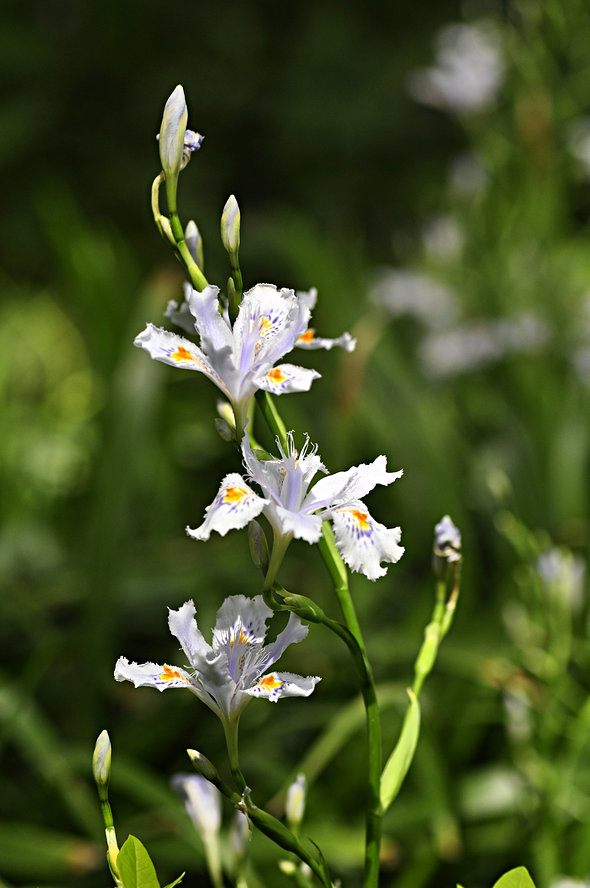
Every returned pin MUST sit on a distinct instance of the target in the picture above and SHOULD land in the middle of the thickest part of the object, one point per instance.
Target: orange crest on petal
(182, 354)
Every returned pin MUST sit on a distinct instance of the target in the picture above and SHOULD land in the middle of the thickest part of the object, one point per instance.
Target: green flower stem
(279, 547)
(339, 576)
(272, 417)
(198, 279)
(230, 727)
(110, 835)
(271, 827)
(374, 813)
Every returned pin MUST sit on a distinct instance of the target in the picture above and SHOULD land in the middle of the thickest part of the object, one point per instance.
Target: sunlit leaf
(135, 866)
(515, 878)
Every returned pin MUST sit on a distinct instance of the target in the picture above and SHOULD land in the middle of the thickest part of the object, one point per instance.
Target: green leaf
(400, 759)
(515, 878)
(176, 881)
(135, 866)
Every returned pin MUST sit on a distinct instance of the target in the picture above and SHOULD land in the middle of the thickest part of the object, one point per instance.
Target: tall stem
(230, 727)
(339, 576)
(374, 812)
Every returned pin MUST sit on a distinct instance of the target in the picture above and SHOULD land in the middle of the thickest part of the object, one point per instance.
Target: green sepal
(176, 881)
(135, 866)
(399, 761)
(515, 878)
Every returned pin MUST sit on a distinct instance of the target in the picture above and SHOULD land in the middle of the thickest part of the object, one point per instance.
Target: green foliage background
(106, 456)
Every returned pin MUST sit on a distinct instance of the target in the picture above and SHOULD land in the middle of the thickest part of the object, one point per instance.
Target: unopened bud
(230, 227)
(203, 766)
(101, 763)
(304, 608)
(295, 803)
(226, 412)
(225, 431)
(172, 130)
(258, 546)
(447, 546)
(194, 242)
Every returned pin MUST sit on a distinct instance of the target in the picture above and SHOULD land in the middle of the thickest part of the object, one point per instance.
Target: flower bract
(234, 668)
(296, 508)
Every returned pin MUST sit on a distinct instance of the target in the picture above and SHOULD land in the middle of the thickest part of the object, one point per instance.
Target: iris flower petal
(364, 543)
(234, 507)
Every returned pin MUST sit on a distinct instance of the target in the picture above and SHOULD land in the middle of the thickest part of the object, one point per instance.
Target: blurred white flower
(468, 69)
(412, 293)
(566, 882)
(476, 344)
(442, 238)
(578, 142)
(202, 801)
(467, 176)
(563, 574)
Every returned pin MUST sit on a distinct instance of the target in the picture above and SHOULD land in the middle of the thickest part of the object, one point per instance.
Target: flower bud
(101, 763)
(447, 546)
(230, 227)
(172, 130)
(202, 802)
(203, 766)
(295, 803)
(224, 430)
(258, 546)
(194, 242)
(304, 608)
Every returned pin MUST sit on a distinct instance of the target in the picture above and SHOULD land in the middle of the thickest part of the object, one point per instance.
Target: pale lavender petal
(362, 542)
(286, 378)
(293, 633)
(153, 675)
(178, 352)
(213, 329)
(283, 684)
(310, 341)
(297, 524)
(234, 507)
(353, 484)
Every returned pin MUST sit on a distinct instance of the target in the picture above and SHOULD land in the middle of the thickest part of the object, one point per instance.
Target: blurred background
(427, 168)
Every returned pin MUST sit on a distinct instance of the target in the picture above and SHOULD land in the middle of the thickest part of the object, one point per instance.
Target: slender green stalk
(230, 727)
(272, 417)
(339, 576)
(266, 823)
(374, 812)
(198, 279)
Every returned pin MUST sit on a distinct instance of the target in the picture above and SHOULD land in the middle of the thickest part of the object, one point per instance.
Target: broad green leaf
(515, 878)
(400, 759)
(135, 866)
(176, 881)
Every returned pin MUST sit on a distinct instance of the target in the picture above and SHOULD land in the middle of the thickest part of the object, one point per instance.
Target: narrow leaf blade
(399, 761)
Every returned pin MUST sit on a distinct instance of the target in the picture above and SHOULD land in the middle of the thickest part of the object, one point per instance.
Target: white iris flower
(227, 673)
(241, 359)
(296, 508)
